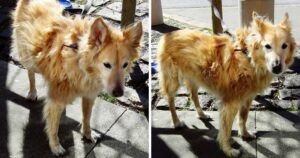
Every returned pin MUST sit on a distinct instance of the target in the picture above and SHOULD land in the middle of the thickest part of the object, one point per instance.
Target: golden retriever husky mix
(77, 58)
(199, 59)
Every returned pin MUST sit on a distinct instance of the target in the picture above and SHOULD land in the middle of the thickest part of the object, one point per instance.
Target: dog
(77, 58)
(194, 59)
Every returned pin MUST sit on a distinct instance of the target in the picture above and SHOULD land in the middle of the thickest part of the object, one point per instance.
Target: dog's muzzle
(277, 69)
(118, 91)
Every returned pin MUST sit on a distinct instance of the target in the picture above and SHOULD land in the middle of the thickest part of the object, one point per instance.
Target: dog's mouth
(277, 69)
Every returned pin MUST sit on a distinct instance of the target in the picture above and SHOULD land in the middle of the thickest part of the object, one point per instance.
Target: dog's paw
(88, 137)
(32, 96)
(235, 153)
(87, 140)
(248, 136)
(87, 133)
(179, 125)
(57, 150)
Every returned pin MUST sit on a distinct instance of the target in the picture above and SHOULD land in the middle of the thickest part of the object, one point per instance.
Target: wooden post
(128, 12)
(262, 7)
(156, 11)
(217, 27)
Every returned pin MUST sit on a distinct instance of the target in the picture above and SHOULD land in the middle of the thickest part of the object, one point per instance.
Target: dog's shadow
(35, 141)
(202, 142)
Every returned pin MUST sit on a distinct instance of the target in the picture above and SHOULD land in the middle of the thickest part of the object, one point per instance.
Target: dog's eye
(268, 46)
(284, 45)
(107, 65)
(125, 65)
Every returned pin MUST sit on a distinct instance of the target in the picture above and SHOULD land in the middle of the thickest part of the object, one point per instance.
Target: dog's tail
(167, 74)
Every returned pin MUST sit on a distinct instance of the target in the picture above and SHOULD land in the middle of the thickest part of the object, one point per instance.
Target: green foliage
(293, 107)
(107, 97)
(187, 105)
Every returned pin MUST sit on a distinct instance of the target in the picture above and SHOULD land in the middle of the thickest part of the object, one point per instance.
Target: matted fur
(103, 58)
(198, 59)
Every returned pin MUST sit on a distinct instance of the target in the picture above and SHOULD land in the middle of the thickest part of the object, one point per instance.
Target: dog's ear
(134, 34)
(289, 59)
(254, 15)
(99, 32)
(258, 22)
(285, 23)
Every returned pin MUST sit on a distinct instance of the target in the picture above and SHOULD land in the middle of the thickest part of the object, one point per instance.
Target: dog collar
(243, 50)
(73, 46)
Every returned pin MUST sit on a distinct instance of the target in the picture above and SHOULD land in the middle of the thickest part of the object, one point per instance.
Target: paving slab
(110, 14)
(197, 140)
(279, 134)
(22, 127)
(203, 16)
(142, 9)
(99, 2)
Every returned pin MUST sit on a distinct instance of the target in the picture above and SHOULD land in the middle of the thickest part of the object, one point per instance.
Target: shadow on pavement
(35, 142)
(202, 142)
(278, 110)
(296, 65)
(3, 114)
(124, 148)
(141, 88)
(164, 28)
(295, 119)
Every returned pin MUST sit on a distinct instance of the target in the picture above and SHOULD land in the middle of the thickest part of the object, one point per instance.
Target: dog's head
(113, 53)
(271, 46)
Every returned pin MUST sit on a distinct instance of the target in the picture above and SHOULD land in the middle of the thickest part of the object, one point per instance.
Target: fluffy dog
(77, 58)
(199, 59)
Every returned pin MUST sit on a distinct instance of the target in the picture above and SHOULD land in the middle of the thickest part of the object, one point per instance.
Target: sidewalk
(201, 16)
(277, 135)
(22, 129)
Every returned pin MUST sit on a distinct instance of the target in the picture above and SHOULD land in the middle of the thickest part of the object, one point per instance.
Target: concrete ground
(199, 13)
(278, 135)
(123, 133)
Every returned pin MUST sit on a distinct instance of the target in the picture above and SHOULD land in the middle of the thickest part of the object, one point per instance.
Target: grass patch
(293, 107)
(107, 97)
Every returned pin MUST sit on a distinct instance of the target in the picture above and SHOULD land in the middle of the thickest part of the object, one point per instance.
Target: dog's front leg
(243, 115)
(87, 105)
(52, 114)
(32, 96)
(227, 115)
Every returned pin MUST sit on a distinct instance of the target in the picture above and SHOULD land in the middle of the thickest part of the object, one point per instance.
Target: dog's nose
(277, 68)
(118, 91)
